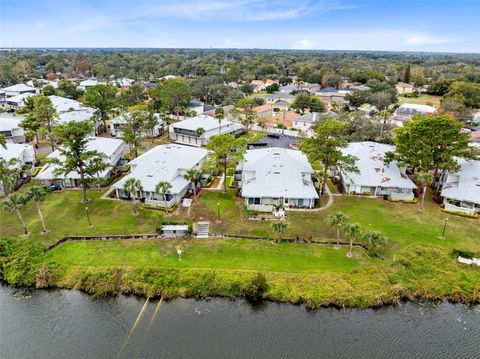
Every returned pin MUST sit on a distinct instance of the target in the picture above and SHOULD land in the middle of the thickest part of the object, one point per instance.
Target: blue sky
(412, 25)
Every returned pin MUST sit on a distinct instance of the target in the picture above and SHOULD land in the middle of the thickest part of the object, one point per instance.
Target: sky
(389, 25)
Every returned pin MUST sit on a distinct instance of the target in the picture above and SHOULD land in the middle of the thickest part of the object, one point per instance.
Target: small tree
(3, 141)
(44, 113)
(219, 115)
(352, 230)
(131, 130)
(374, 241)
(338, 221)
(244, 112)
(193, 175)
(225, 149)
(163, 187)
(38, 193)
(132, 186)
(13, 203)
(279, 228)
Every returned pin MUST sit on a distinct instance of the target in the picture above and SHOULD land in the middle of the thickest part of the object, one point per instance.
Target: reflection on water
(59, 324)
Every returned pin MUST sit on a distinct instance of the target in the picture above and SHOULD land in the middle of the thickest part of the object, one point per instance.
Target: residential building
(63, 104)
(403, 88)
(3, 97)
(18, 89)
(195, 106)
(279, 96)
(288, 88)
(306, 122)
(110, 148)
(375, 176)
(10, 128)
(197, 131)
(86, 84)
(261, 85)
(276, 177)
(407, 110)
(118, 123)
(18, 101)
(282, 118)
(168, 163)
(461, 190)
(24, 156)
(264, 111)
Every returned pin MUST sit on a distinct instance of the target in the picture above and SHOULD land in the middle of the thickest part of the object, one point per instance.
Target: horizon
(318, 25)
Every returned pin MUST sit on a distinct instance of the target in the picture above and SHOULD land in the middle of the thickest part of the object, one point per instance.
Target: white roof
(418, 107)
(163, 163)
(9, 123)
(19, 88)
(20, 98)
(374, 172)
(63, 104)
(278, 172)
(89, 82)
(106, 146)
(22, 152)
(207, 123)
(175, 227)
(468, 186)
(85, 114)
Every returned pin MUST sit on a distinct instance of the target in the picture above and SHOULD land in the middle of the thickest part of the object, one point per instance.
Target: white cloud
(303, 44)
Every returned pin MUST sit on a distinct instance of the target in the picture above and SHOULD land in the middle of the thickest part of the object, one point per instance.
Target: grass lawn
(423, 99)
(204, 254)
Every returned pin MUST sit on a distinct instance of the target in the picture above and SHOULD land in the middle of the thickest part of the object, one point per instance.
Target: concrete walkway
(324, 207)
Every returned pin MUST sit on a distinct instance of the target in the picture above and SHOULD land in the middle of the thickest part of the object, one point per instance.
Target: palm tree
(163, 187)
(133, 185)
(425, 178)
(374, 241)
(38, 194)
(13, 203)
(337, 220)
(193, 175)
(353, 231)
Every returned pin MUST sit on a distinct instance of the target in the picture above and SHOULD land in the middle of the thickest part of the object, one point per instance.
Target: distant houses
(110, 148)
(461, 190)
(168, 163)
(18, 89)
(197, 131)
(18, 101)
(23, 156)
(404, 88)
(86, 84)
(376, 177)
(276, 177)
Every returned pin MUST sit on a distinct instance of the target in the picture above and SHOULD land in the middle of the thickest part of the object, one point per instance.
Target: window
(253, 200)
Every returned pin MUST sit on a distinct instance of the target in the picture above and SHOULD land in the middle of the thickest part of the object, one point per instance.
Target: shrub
(257, 286)
(46, 276)
(21, 266)
(100, 284)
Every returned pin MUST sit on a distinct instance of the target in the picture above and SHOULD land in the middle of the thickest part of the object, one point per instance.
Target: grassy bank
(416, 264)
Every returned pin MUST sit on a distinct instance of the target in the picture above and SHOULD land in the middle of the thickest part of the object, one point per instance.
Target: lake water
(69, 324)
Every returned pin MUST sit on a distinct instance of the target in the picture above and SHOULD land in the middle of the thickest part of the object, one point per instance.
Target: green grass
(423, 99)
(232, 254)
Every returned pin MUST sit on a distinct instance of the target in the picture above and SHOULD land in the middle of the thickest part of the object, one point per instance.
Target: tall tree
(326, 147)
(13, 203)
(132, 130)
(163, 187)
(44, 113)
(102, 98)
(132, 186)
(425, 178)
(337, 221)
(9, 173)
(193, 175)
(224, 150)
(172, 95)
(37, 193)
(74, 137)
(407, 74)
(219, 115)
(244, 111)
(431, 143)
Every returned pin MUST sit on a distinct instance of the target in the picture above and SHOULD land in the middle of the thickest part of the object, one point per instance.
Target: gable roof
(82, 115)
(22, 152)
(278, 172)
(164, 163)
(374, 172)
(9, 123)
(19, 88)
(20, 98)
(467, 188)
(63, 104)
(206, 122)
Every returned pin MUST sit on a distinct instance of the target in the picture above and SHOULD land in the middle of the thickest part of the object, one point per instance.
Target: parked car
(55, 187)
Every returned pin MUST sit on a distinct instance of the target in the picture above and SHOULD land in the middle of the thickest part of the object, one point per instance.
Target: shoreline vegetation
(416, 265)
